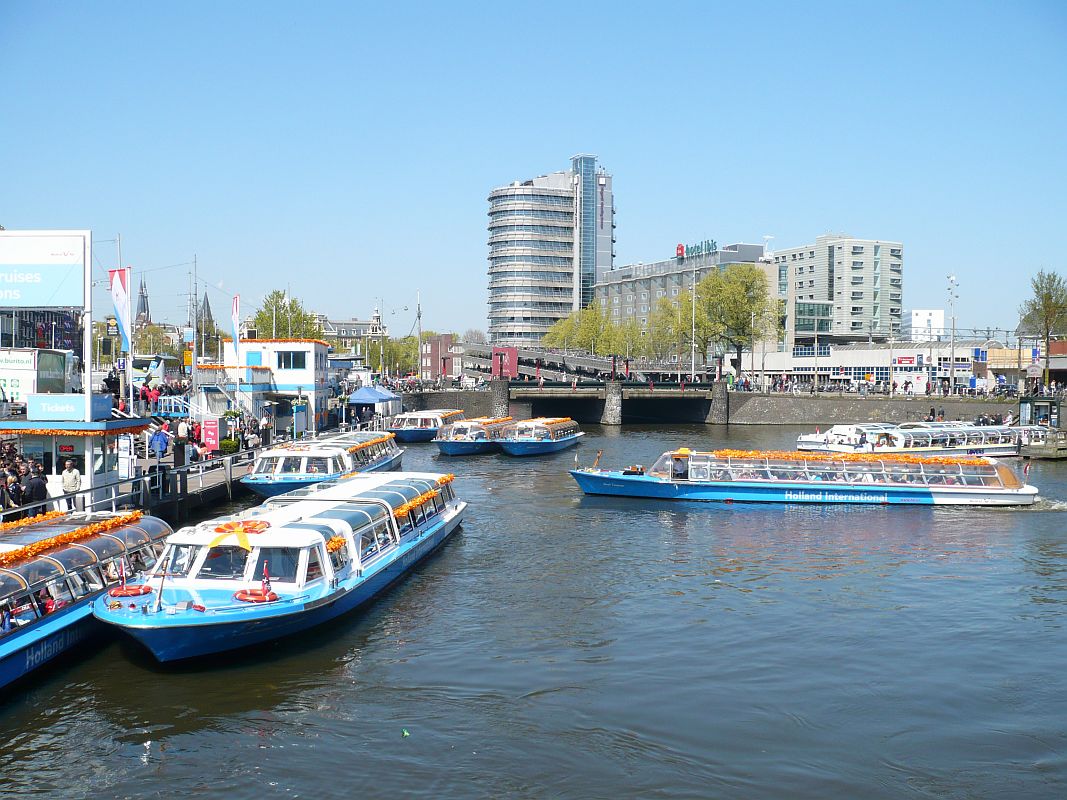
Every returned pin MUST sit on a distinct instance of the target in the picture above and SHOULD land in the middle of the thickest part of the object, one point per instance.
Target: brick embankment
(473, 404)
(785, 409)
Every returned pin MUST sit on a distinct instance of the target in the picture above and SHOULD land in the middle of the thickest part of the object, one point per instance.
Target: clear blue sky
(347, 149)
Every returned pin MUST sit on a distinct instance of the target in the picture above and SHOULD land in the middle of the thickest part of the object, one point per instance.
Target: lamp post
(953, 284)
(693, 334)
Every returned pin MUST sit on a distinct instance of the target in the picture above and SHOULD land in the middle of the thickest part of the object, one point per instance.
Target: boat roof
(301, 517)
(546, 421)
(433, 412)
(807, 455)
(483, 420)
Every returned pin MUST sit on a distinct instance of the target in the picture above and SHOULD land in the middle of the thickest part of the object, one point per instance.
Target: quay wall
(747, 408)
(473, 404)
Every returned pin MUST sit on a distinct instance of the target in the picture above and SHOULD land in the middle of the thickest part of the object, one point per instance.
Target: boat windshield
(225, 562)
(267, 465)
(282, 563)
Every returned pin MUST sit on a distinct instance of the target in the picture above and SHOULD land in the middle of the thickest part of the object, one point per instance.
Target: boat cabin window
(267, 465)
(291, 464)
(51, 596)
(340, 557)
(85, 581)
(225, 562)
(314, 570)
(282, 563)
(318, 464)
(181, 559)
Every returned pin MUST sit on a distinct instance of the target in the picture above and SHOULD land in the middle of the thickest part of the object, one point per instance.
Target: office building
(631, 292)
(349, 335)
(924, 325)
(549, 238)
(841, 289)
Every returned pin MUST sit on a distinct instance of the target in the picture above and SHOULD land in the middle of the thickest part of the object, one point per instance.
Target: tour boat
(796, 477)
(294, 465)
(924, 438)
(52, 567)
(531, 437)
(470, 436)
(422, 426)
(297, 561)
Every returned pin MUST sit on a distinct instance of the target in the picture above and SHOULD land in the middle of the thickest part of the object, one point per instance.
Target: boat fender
(130, 591)
(254, 596)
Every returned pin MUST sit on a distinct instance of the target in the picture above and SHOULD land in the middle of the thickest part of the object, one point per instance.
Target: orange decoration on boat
(84, 532)
(243, 526)
(867, 458)
(22, 523)
(335, 543)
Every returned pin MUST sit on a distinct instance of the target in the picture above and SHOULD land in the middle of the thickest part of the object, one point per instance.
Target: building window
(857, 295)
(292, 359)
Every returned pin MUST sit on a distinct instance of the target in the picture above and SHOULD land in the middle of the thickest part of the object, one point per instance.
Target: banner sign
(43, 269)
(235, 319)
(65, 407)
(209, 432)
(120, 295)
(505, 362)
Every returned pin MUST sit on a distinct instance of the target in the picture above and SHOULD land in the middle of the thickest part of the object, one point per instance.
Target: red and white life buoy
(130, 591)
(254, 596)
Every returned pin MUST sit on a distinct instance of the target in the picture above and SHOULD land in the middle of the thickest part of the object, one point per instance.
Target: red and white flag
(120, 296)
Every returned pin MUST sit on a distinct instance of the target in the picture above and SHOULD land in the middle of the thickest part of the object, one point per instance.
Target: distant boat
(53, 566)
(472, 436)
(423, 426)
(924, 438)
(297, 464)
(794, 477)
(540, 435)
(300, 560)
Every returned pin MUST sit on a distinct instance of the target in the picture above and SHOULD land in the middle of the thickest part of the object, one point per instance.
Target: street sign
(120, 364)
(112, 326)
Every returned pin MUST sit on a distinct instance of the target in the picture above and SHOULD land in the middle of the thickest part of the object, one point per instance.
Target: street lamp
(953, 295)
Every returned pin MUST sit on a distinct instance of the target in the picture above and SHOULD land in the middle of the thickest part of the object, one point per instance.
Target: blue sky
(347, 151)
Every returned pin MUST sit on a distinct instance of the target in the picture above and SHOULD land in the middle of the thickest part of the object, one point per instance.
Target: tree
(1045, 312)
(475, 336)
(155, 340)
(737, 301)
(284, 317)
(668, 330)
(563, 333)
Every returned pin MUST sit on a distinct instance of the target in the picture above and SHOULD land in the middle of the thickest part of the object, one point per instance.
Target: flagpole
(129, 327)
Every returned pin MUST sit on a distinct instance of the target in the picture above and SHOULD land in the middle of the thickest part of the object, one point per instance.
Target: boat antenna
(162, 577)
(596, 461)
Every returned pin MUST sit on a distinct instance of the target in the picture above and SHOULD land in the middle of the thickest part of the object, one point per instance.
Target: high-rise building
(841, 289)
(549, 238)
(924, 325)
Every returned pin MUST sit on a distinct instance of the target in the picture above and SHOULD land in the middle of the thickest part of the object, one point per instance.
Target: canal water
(562, 646)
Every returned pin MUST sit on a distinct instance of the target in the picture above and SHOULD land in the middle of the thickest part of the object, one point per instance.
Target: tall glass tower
(549, 238)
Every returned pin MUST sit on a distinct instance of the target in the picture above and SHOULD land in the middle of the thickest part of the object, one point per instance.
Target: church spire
(144, 310)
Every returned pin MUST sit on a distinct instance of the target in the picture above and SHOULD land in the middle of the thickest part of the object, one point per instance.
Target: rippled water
(562, 646)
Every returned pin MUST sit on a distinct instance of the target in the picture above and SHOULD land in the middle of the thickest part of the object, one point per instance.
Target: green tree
(737, 302)
(564, 333)
(284, 317)
(1045, 312)
(668, 330)
(155, 340)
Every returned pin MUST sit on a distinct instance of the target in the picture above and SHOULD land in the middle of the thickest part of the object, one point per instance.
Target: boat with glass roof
(924, 438)
(472, 436)
(422, 426)
(294, 465)
(531, 437)
(297, 561)
(797, 477)
(52, 567)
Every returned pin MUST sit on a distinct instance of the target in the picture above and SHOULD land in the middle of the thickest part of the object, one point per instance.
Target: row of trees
(1044, 315)
(734, 308)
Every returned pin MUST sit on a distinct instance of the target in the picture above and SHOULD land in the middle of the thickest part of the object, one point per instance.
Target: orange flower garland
(243, 526)
(335, 543)
(22, 523)
(368, 443)
(893, 458)
(446, 479)
(55, 432)
(35, 549)
(411, 505)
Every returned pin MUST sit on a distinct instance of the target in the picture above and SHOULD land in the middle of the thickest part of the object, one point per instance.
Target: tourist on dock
(158, 443)
(36, 494)
(11, 498)
(72, 482)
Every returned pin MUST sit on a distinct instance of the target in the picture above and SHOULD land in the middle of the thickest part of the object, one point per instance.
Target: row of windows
(563, 308)
(532, 199)
(548, 230)
(564, 293)
(795, 257)
(561, 278)
(533, 244)
(558, 261)
(534, 213)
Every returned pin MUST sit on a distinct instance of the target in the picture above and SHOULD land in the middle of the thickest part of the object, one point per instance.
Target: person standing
(36, 494)
(72, 482)
(11, 498)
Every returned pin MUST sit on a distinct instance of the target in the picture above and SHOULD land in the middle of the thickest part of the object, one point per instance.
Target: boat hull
(27, 649)
(620, 485)
(536, 447)
(272, 486)
(414, 434)
(457, 448)
(174, 641)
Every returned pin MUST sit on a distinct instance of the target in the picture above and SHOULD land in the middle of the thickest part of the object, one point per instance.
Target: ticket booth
(1034, 410)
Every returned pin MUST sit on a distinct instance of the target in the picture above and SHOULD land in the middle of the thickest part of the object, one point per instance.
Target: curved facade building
(538, 270)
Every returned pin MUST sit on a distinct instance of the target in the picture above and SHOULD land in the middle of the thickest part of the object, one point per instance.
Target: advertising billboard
(505, 362)
(44, 269)
(51, 372)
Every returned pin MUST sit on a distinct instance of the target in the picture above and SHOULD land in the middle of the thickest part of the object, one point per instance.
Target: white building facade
(924, 325)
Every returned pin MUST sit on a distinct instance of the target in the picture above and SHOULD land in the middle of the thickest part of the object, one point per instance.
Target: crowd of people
(23, 487)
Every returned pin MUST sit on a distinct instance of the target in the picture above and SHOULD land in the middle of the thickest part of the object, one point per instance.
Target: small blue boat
(46, 595)
(782, 477)
(423, 426)
(300, 560)
(472, 436)
(533, 437)
(294, 465)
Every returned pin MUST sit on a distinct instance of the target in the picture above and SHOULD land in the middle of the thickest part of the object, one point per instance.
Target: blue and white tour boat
(299, 560)
(471, 436)
(924, 438)
(423, 426)
(294, 465)
(531, 437)
(52, 567)
(794, 477)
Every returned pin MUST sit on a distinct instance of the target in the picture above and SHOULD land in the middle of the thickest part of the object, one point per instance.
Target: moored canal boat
(795, 477)
(294, 465)
(924, 438)
(52, 567)
(300, 560)
(531, 437)
(472, 436)
(422, 426)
